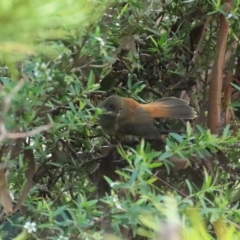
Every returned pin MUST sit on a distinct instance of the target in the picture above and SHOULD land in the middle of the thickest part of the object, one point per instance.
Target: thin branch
(201, 39)
(147, 84)
(7, 100)
(5, 134)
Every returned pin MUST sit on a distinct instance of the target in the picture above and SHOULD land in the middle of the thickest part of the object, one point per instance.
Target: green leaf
(90, 81)
(155, 43)
(235, 86)
(155, 165)
(133, 177)
(59, 211)
(189, 129)
(176, 136)
(152, 180)
(226, 131)
(165, 155)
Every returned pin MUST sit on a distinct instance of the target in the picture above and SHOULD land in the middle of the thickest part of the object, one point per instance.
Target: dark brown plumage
(125, 116)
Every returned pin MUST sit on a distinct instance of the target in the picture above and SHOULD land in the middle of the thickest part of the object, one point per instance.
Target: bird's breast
(108, 123)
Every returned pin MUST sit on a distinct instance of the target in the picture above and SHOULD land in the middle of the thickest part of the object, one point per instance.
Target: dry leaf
(179, 163)
(5, 197)
(29, 158)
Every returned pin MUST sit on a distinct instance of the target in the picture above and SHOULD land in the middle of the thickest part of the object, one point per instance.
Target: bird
(122, 116)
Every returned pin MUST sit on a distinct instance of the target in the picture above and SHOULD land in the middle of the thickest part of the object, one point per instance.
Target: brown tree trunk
(215, 91)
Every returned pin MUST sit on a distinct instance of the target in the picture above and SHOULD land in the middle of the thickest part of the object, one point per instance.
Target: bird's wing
(139, 123)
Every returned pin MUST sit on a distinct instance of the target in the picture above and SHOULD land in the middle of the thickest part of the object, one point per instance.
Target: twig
(147, 84)
(55, 109)
(173, 188)
(5, 134)
(201, 39)
(183, 80)
(9, 97)
(39, 108)
(69, 147)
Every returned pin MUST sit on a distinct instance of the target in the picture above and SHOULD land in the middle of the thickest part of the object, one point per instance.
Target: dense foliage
(61, 177)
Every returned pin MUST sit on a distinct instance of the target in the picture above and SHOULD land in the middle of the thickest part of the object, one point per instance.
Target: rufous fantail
(125, 116)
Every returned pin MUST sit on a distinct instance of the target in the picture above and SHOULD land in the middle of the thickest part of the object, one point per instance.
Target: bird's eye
(111, 107)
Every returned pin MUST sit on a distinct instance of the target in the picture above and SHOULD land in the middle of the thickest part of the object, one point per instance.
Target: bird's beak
(105, 112)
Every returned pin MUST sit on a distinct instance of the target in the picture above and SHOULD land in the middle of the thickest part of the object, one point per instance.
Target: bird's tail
(170, 107)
